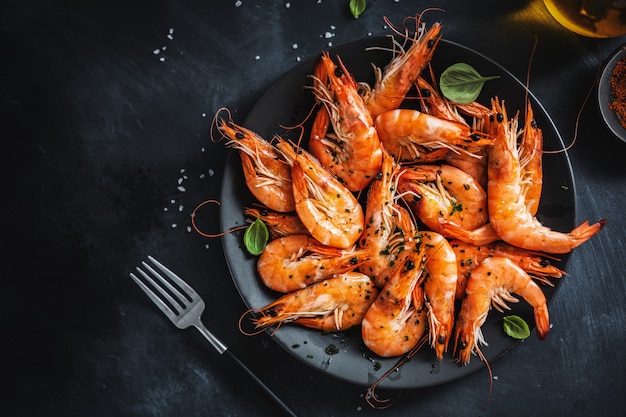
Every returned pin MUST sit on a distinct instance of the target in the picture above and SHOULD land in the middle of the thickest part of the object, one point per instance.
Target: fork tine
(155, 298)
(178, 280)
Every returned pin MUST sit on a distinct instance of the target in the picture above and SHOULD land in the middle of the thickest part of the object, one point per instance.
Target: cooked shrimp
(509, 213)
(439, 289)
(351, 150)
(393, 324)
(332, 305)
(482, 235)
(491, 283)
(405, 133)
(292, 262)
(329, 211)
(278, 224)
(531, 162)
(267, 174)
(444, 192)
(393, 83)
(434, 104)
(469, 256)
(473, 162)
(388, 226)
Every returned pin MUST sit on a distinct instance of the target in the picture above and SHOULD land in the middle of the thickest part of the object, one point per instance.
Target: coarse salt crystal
(174, 225)
(328, 35)
(294, 46)
(162, 59)
(156, 51)
(211, 172)
(287, 5)
(238, 3)
(257, 57)
(181, 189)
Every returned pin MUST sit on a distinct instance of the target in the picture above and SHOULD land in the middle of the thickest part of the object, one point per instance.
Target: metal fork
(184, 307)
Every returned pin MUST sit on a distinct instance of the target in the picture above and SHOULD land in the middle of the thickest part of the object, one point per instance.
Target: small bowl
(605, 94)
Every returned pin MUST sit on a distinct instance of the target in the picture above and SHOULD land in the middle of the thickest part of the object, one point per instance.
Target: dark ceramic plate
(605, 94)
(287, 103)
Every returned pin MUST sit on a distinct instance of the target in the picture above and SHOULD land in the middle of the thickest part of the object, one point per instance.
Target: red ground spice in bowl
(612, 92)
(618, 88)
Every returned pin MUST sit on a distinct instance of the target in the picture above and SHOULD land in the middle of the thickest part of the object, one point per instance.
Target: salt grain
(237, 3)
(180, 207)
(174, 225)
(211, 172)
(287, 5)
(181, 189)
(156, 51)
(257, 58)
(162, 59)
(294, 46)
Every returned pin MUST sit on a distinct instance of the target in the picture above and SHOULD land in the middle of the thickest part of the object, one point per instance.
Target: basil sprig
(357, 7)
(256, 236)
(516, 327)
(461, 83)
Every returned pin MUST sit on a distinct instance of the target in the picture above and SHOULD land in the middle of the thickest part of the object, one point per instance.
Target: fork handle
(223, 349)
(261, 384)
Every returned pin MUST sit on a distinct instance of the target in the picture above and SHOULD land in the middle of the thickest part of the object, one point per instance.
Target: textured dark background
(100, 131)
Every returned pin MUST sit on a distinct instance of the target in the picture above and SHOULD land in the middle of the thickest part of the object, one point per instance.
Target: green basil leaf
(357, 7)
(256, 236)
(461, 83)
(516, 327)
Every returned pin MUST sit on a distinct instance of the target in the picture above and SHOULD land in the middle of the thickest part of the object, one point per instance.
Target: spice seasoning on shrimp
(618, 86)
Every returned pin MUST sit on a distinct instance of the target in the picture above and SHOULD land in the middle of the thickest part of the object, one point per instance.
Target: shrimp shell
(295, 261)
(332, 305)
(491, 283)
(329, 211)
(394, 324)
(509, 213)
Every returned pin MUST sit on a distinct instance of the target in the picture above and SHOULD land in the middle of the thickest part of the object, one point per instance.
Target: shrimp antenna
(482, 358)
(211, 235)
(380, 404)
(217, 122)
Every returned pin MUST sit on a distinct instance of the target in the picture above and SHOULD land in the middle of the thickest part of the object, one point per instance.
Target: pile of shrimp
(410, 223)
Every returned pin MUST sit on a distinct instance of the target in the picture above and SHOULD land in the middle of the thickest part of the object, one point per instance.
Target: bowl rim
(605, 93)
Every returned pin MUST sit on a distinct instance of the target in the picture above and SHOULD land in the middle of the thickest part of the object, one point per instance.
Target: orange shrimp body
(334, 304)
(388, 226)
(481, 235)
(267, 174)
(531, 162)
(278, 224)
(394, 82)
(329, 211)
(491, 283)
(439, 289)
(292, 262)
(509, 213)
(352, 150)
(406, 133)
(393, 325)
(469, 256)
(437, 192)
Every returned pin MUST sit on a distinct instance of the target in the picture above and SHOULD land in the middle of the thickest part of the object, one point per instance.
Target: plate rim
(476, 364)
